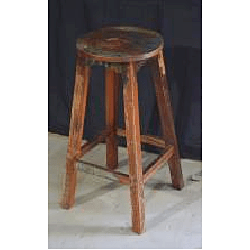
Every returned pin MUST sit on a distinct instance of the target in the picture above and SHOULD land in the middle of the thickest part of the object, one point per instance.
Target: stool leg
(167, 120)
(111, 99)
(131, 112)
(76, 131)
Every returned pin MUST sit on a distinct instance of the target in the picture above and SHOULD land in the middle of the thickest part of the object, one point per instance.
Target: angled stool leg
(167, 120)
(76, 131)
(111, 99)
(131, 112)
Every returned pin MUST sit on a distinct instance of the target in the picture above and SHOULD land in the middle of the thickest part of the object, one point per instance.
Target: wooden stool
(122, 50)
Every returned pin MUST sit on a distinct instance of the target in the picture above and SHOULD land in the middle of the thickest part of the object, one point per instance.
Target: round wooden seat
(120, 44)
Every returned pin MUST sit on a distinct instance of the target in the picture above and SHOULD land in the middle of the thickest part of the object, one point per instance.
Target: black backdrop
(179, 21)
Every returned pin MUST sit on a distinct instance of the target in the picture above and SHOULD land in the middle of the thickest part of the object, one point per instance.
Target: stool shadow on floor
(166, 186)
(154, 186)
(187, 200)
(82, 230)
(159, 218)
(113, 185)
(160, 186)
(97, 192)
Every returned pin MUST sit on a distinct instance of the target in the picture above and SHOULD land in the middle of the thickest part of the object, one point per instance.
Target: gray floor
(101, 217)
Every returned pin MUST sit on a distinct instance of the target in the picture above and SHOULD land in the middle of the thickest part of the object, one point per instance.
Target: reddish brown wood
(70, 183)
(166, 118)
(131, 112)
(76, 131)
(157, 164)
(111, 99)
(148, 139)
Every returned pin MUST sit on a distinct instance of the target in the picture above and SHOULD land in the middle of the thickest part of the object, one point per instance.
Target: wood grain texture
(131, 112)
(158, 163)
(166, 118)
(76, 131)
(147, 139)
(111, 103)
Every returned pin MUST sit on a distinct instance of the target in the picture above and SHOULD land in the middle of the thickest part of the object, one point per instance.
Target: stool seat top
(120, 44)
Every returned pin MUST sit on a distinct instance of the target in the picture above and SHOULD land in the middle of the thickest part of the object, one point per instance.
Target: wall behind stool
(179, 23)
